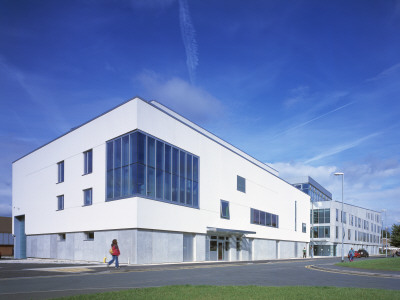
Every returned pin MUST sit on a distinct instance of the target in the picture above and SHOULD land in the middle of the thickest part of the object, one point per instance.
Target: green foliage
(384, 233)
(388, 264)
(198, 292)
(395, 237)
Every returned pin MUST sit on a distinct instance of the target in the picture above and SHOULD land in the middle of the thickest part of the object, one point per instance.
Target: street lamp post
(384, 210)
(341, 174)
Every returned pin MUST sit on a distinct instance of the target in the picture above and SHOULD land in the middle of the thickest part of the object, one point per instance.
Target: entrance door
(20, 241)
(220, 251)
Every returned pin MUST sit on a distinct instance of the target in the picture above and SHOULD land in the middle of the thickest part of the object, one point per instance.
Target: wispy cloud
(192, 102)
(298, 95)
(366, 185)
(311, 120)
(37, 90)
(189, 39)
(386, 73)
(342, 148)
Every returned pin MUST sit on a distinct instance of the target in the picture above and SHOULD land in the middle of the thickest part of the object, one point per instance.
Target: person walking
(114, 251)
(351, 254)
(304, 253)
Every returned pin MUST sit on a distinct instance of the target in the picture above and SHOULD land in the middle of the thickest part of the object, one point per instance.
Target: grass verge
(388, 264)
(180, 292)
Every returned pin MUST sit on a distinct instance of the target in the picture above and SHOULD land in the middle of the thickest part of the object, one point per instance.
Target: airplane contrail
(189, 39)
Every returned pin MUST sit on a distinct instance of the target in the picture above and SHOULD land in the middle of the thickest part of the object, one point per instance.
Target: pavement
(47, 279)
(32, 267)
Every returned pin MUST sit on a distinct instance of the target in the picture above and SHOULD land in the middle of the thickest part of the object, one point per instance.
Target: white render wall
(35, 187)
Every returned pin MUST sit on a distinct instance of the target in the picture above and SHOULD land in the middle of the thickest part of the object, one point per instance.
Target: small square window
(87, 197)
(224, 209)
(241, 184)
(60, 202)
(60, 170)
(88, 162)
(89, 236)
(61, 237)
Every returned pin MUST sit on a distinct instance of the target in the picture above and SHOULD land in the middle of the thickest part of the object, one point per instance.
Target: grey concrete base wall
(149, 246)
(159, 247)
(200, 241)
(136, 246)
(287, 249)
(264, 249)
(247, 249)
(76, 247)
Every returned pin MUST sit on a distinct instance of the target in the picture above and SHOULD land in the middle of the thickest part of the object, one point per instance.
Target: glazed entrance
(219, 247)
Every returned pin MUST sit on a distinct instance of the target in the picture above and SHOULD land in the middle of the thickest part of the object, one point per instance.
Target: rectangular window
(337, 214)
(139, 164)
(89, 236)
(87, 162)
(241, 184)
(321, 232)
(304, 228)
(60, 202)
(60, 168)
(225, 209)
(337, 232)
(61, 237)
(263, 218)
(349, 233)
(87, 197)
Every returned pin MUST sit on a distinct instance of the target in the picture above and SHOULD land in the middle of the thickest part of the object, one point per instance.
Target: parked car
(361, 253)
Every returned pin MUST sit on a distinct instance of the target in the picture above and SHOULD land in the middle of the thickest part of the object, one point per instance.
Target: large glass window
(263, 218)
(225, 209)
(321, 216)
(87, 162)
(241, 184)
(321, 232)
(139, 164)
(60, 170)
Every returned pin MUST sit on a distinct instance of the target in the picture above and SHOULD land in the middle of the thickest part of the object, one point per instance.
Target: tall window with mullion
(321, 216)
(60, 172)
(139, 164)
(87, 162)
(87, 197)
(60, 202)
(241, 184)
(225, 209)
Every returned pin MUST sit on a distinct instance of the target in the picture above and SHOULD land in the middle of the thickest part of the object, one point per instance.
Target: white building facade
(361, 226)
(166, 189)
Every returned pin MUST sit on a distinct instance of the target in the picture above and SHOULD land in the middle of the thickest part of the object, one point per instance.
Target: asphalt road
(43, 281)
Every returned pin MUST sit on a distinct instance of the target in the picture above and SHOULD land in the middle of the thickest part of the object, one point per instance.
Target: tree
(384, 234)
(395, 237)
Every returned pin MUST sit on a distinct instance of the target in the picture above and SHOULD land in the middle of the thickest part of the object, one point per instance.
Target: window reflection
(138, 164)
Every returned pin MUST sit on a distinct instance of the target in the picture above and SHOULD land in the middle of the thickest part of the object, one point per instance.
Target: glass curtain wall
(141, 165)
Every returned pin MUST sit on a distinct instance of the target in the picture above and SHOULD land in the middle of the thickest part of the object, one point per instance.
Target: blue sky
(309, 87)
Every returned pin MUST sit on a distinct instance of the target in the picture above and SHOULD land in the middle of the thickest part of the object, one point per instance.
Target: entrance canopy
(228, 231)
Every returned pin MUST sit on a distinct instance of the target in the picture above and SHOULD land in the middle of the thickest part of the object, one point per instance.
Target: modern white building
(167, 189)
(361, 226)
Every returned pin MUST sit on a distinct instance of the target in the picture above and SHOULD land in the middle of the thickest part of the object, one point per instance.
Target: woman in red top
(115, 253)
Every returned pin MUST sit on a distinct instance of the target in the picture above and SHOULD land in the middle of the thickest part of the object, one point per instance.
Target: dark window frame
(241, 184)
(88, 162)
(85, 192)
(223, 211)
(60, 200)
(60, 171)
